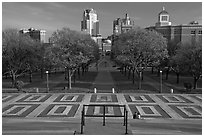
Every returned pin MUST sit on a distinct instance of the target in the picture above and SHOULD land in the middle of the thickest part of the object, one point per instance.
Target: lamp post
(140, 80)
(47, 81)
(160, 81)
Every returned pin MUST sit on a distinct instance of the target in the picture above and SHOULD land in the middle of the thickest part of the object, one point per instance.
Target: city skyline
(51, 16)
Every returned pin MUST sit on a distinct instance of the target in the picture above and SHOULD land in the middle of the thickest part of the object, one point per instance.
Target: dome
(108, 41)
(163, 11)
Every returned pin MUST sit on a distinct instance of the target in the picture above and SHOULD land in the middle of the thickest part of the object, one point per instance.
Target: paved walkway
(62, 113)
(104, 81)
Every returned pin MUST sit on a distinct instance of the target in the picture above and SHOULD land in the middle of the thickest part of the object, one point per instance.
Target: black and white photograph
(101, 67)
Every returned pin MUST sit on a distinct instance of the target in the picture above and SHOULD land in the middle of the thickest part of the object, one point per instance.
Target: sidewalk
(95, 127)
(104, 81)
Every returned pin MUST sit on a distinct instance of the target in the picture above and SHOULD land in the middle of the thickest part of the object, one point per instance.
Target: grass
(171, 81)
(57, 82)
(123, 84)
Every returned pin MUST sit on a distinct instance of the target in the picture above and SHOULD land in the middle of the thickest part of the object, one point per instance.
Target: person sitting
(136, 115)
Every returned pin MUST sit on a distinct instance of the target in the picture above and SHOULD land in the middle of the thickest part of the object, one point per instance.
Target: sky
(52, 16)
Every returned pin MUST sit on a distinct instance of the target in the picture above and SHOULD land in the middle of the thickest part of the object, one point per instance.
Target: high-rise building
(90, 25)
(35, 34)
(90, 22)
(122, 25)
(184, 33)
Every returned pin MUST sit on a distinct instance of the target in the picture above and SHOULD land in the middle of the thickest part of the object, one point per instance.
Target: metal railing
(124, 115)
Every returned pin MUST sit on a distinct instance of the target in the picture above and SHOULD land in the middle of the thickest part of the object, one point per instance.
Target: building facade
(184, 33)
(106, 45)
(163, 18)
(90, 22)
(122, 25)
(90, 25)
(35, 34)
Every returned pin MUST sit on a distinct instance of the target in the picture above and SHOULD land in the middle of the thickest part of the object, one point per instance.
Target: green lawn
(57, 82)
(124, 85)
(171, 81)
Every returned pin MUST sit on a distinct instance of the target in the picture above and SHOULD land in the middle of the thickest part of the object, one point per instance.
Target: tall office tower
(163, 18)
(90, 22)
(90, 25)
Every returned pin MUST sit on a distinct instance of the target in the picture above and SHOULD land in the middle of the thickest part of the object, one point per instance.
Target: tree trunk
(133, 76)
(158, 72)
(195, 82)
(41, 70)
(97, 65)
(125, 70)
(69, 79)
(31, 75)
(74, 76)
(79, 72)
(177, 78)
(152, 70)
(167, 73)
(129, 73)
(140, 80)
(65, 73)
(142, 75)
(13, 79)
(87, 68)
(82, 70)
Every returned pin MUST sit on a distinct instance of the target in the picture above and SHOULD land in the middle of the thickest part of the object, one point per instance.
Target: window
(176, 31)
(193, 32)
(163, 18)
(200, 32)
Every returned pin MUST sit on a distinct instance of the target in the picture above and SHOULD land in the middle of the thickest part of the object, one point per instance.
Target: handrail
(125, 115)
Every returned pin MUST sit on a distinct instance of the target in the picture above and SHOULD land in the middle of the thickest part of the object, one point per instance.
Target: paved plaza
(66, 107)
(171, 106)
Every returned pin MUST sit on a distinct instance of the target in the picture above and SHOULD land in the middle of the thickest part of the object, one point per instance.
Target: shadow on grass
(124, 85)
(56, 81)
(84, 81)
(171, 82)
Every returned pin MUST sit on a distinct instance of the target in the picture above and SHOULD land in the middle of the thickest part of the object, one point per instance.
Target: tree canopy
(189, 59)
(141, 48)
(71, 49)
(19, 53)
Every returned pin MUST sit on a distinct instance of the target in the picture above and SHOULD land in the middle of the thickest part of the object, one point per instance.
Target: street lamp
(140, 80)
(47, 81)
(160, 81)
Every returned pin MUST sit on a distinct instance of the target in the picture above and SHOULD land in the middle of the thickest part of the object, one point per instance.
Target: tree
(143, 48)
(170, 62)
(176, 66)
(189, 56)
(71, 49)
(18, 53)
